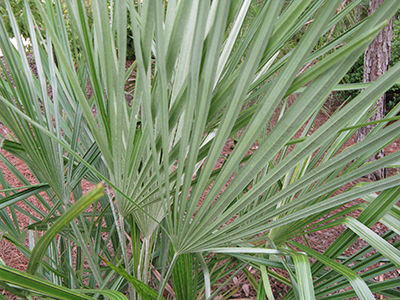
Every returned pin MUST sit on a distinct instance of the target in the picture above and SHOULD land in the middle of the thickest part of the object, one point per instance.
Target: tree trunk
(376, 63)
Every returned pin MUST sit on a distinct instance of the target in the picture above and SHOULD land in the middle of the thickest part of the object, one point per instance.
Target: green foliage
(18, 8)
(356, 73)
(180, 217)
(393, 94)
(145, 292)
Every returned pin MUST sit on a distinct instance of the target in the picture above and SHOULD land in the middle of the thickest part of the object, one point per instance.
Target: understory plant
(356, 73)
(172, 214)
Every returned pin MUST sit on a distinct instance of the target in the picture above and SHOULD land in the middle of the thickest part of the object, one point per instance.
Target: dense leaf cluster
(191, 185)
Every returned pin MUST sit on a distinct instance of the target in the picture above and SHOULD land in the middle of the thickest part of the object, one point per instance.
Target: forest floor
(319, 241)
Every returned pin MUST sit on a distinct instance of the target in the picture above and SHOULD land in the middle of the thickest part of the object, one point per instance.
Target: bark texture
(376, 63)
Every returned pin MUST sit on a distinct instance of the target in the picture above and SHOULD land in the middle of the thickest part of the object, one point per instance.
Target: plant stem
(121, 234)
(146, 264)
(164, 280)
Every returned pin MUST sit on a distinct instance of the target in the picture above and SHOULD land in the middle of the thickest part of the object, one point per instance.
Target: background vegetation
(355, 74)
